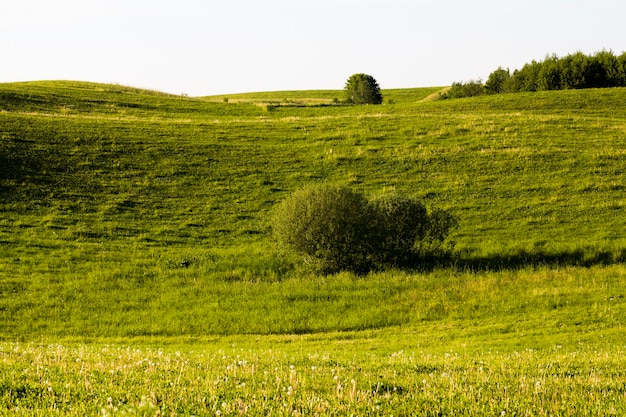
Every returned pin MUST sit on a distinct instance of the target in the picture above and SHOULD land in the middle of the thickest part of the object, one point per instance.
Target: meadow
(138, 273)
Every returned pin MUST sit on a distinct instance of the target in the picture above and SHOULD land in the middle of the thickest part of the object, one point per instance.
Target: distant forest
(600, 70)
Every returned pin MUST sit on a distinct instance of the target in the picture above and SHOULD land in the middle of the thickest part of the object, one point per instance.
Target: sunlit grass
(300, 375)
(133, 218)
(137, 188)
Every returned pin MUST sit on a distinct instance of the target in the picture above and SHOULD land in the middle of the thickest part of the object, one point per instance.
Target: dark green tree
(621, 70)
(549, 75)
(363, 89)
(497, 81)
(604, 70)
(527, 78)
(574, 70)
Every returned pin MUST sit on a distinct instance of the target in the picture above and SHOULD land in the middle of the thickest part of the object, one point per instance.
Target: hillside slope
(120, 203)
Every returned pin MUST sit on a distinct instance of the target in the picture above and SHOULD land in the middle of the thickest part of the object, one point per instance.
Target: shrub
(469, 89)
(329, 226)
(333, 229)
(363, 89)
(440, 224)
(401, 222)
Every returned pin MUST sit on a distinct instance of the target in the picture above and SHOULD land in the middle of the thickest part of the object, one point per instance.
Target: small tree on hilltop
(363, 89)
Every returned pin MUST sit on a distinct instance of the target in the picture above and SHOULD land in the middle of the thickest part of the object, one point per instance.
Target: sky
(212, 47)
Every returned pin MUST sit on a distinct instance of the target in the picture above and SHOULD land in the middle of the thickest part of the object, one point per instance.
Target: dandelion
(353, 389)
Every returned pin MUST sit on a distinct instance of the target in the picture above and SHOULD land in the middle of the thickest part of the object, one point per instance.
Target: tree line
(603, 69)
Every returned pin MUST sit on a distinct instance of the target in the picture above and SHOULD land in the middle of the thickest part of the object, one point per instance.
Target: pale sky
(208, 47)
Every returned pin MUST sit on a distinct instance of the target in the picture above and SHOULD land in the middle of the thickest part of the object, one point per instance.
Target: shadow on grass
(585, 257)
(28, 171)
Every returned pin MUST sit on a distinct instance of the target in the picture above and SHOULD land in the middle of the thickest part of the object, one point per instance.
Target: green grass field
(138, 273)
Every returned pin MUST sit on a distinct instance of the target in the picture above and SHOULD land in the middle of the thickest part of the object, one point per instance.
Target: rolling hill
(137, 218)
(112, 193)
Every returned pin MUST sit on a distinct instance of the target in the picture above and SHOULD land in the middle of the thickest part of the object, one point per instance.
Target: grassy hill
(134, 214)
(109, 191)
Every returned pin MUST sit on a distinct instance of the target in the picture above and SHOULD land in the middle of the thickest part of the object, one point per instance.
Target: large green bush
(435, 239)
(329, 226)
(334, 228)
(401, 222)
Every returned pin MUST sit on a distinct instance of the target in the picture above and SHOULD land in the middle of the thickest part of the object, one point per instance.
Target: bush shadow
(585, 257)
